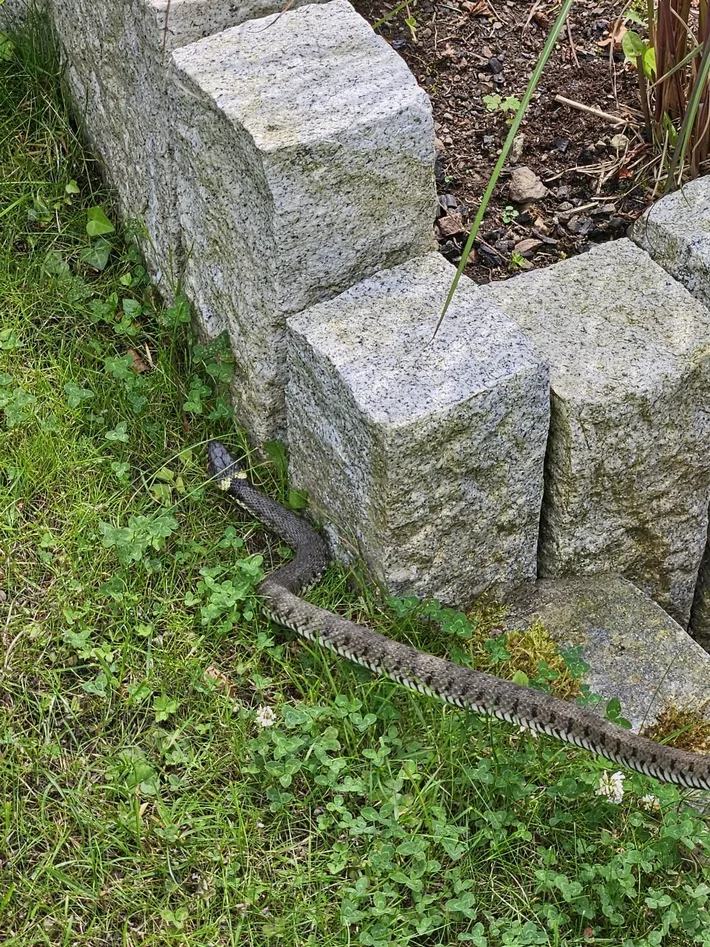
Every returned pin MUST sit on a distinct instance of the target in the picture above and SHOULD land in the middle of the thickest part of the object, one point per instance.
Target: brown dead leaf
(616, 34)
(219, 678)
(139, 365)
(480, 8)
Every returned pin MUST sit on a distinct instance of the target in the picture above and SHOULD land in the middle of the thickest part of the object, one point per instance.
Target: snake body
(472, 690)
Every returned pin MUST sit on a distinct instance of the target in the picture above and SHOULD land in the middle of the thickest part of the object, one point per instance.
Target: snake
(472, 690)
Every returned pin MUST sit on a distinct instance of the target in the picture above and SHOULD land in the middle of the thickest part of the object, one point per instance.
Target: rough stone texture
(117, 53)
(635, 651)
(424, 457)
(700, 615)
(306, 162)
(13, 14)
(676, 232)
(628, 466)
(525, 185)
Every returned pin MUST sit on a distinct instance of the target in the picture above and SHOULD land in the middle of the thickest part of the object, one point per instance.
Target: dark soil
(597, 172)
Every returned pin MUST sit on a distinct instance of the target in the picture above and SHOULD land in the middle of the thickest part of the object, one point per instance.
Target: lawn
(174, 769)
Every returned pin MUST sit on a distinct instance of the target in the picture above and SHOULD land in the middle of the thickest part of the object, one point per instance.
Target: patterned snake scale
(468, 689)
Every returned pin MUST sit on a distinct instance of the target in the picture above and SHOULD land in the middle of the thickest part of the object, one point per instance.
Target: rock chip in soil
(450, 225)
(580, 225)
(525, 186)
(528, 247)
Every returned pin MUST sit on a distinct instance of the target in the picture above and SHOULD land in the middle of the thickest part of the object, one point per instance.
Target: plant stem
(643, 90)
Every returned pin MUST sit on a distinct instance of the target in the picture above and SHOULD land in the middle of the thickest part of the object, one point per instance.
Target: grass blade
(532, 85)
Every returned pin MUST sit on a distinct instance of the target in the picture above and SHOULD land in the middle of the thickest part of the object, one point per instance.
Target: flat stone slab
(627, 473)
(676, 232)
(423, 457)
(117, 54)
(305, 162)
(635, 651)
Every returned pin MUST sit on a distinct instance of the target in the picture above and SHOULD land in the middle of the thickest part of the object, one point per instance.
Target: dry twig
(613, 119)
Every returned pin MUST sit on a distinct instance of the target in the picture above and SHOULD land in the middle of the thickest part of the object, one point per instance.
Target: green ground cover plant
(174, 770)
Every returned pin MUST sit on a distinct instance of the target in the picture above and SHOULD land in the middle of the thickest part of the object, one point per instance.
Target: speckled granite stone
(700, 615)
(423, 457)
(634, 650)
(306, 162)
(676, 232)
(117, 53)
(13, 13)
(628, 466)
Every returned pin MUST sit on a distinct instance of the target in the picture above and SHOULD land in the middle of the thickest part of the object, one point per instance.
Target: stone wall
(281, 165)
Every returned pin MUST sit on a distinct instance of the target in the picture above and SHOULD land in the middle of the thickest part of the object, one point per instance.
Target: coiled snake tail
(471, 690)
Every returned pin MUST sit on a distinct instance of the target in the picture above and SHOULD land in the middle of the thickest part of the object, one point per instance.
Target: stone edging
(283, 169)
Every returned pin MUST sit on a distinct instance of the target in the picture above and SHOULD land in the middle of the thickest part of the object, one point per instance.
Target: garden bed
(475, 58)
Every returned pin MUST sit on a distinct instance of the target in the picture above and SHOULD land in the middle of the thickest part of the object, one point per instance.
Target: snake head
(220, 462)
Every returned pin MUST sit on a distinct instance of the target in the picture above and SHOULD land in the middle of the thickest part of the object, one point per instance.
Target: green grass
(143, 801)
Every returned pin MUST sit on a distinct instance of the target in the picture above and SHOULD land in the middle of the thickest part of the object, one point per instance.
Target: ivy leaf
(131, 307)
(98, 223)
(96, 255)
(55, 265)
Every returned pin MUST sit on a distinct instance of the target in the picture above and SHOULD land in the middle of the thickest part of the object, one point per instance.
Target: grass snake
(472, 690)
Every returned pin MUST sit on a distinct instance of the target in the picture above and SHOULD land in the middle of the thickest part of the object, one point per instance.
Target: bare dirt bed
(474, 58)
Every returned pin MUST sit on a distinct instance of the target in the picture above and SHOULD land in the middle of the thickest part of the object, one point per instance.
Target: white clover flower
(612, 787)
(649, 802)
(265, 717)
